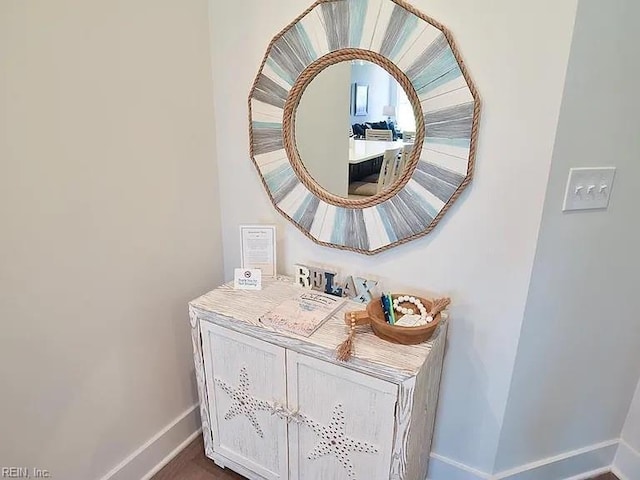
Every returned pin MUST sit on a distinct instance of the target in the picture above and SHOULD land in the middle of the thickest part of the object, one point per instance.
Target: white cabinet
(345, 428)
(278, 406)
(245, 378)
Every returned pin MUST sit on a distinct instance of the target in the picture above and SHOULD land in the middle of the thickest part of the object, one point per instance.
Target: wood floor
(191, 464)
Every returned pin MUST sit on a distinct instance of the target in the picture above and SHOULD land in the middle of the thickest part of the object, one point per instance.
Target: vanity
(277, 405)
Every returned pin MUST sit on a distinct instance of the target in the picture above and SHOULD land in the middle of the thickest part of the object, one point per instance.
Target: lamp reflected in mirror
(365, 100)
(390, 112)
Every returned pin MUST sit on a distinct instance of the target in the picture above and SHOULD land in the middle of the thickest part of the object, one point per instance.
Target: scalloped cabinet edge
(279, 406)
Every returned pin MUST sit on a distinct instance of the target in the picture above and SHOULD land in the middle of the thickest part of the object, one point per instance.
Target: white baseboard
(156, 452)
(172, 454)
(626, 465)
(619, 474)
(443, 468)
(576, 465)
(579, 464)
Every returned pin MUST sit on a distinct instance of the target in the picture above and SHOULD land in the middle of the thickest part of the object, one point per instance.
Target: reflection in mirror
(355, 129)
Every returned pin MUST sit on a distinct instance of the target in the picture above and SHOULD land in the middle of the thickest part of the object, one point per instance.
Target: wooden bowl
(397, 334)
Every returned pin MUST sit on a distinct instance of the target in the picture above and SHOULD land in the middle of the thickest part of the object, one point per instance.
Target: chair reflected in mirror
(378, 135)
(389, 173)
(408, 137)
(405, 156)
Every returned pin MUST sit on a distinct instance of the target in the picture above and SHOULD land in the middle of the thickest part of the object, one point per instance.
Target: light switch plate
(589, 188)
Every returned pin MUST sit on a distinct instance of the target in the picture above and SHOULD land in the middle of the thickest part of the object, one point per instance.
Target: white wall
(378, 80)
(322, 128)
(110, 224)
(482, 253)
(579, 355)
(626, 464)
(631, 430)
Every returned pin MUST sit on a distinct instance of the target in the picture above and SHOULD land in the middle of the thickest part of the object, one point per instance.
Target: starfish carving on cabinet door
(334, 441)
(243, 403)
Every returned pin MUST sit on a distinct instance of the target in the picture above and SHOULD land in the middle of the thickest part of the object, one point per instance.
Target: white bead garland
(410, 311)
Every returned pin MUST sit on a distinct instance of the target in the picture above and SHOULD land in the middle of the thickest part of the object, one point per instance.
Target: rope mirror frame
(422, 56)
(289, 125)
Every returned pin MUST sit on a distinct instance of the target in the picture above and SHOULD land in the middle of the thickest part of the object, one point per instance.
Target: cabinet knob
(294, 416)
(278, 409)
(283, 412)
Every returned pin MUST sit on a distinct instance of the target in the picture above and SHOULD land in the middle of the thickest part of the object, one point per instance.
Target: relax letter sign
(355, 288)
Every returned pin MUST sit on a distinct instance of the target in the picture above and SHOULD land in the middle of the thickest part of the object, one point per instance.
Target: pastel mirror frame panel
(422, 56)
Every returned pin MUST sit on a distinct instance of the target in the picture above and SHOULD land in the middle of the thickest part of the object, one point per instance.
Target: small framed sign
(258, 248)
(247, 279)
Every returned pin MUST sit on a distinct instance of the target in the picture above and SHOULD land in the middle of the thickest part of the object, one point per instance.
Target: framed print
(361, 107)
(258, 248)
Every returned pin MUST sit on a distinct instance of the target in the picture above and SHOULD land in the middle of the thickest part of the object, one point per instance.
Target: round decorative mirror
(363, 123)
(364, 99)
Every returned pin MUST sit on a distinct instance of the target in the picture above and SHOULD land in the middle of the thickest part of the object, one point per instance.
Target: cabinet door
(345, 425)
(245, 378)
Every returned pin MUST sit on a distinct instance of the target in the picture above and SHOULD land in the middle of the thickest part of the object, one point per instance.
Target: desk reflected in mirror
(354, 129)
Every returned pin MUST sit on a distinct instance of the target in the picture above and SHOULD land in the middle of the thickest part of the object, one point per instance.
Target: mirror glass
(354, 129)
